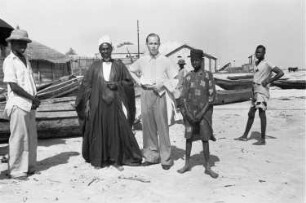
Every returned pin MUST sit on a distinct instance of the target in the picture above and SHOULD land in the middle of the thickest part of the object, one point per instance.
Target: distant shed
(183, 51)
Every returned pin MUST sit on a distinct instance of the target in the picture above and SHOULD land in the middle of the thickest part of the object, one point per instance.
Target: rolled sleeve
(172, 70)
(9, 72)
(135, 67)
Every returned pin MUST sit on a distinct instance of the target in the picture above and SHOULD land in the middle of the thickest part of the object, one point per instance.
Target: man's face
(153, 45)
(19, 46)
(106, 51)
(196, 63)
(260, 53)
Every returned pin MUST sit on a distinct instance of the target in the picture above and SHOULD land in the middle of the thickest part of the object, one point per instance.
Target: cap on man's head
(19, 35)
(196, 53)
(105, 39)
(181, 62)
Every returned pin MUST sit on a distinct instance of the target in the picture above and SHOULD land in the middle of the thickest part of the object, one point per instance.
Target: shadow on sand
(50, 142)
(195, 159)
(47, 163)
(58, 159)
(255, 135)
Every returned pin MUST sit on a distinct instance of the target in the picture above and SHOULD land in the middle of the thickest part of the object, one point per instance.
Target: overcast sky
(227, 29)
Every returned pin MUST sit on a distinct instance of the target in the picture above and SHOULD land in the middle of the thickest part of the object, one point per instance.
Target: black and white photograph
(152, 101)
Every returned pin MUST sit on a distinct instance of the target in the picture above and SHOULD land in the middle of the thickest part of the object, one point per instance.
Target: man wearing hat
(20, 107)
(181, 74)
(197, 99)
(106, 109)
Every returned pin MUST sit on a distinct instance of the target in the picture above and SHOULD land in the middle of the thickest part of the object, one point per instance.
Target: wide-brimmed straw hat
(19, 35)
(181, 62)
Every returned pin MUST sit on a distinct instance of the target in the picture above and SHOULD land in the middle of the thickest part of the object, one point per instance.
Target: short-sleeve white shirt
(262, 71)
(15, 71)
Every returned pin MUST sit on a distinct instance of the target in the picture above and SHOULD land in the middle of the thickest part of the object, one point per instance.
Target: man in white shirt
(155, 70)
(261, 83)
(20, 107)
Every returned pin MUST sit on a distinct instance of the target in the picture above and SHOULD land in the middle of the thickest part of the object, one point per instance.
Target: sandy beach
(247, 172)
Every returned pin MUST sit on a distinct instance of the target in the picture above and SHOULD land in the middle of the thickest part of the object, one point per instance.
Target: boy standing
(261, 83)
(197, 108)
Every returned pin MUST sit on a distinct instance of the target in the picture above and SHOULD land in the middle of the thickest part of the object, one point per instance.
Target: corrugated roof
(38, 51)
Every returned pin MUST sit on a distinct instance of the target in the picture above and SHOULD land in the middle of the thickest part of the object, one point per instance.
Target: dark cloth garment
(198, 91)
(107, 133)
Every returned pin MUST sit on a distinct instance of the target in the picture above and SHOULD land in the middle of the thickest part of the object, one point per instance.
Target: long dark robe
(107, 133)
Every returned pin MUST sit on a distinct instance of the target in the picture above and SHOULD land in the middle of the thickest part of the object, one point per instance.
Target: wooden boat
(43, 86)
(60, 89)
(290, 84)
(234, 84)
(232, 96)
(239, 77)
(55, 118)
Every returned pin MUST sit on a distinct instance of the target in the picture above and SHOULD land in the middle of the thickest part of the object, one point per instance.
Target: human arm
(135, 71)
(211, 97)
(22, 93)
(82, 99)
(279, 73)
(169, 80)
(183, 102)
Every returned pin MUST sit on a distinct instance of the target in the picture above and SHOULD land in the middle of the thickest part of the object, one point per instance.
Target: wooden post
(138, 54)
(210, 65)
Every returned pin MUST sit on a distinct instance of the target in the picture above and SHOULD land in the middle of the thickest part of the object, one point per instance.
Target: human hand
(35, 102)
(112, 85)
(190, 118)
(265, 82)
(198, 117)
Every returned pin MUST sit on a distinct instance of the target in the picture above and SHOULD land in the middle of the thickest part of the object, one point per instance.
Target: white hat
(105, 39)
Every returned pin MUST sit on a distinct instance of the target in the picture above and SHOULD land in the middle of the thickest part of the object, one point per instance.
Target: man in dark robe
(106, 110)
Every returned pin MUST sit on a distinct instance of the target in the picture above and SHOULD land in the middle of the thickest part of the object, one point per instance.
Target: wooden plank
(55, 115)
(48, 129)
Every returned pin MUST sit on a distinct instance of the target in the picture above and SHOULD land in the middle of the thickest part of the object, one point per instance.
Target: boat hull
(290, 84)
(232, 96)
(234, 84)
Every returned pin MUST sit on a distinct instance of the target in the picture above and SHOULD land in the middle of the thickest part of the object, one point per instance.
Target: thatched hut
(47, 64)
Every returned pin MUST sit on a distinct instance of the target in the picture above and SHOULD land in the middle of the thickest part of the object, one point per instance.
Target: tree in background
(71, 52)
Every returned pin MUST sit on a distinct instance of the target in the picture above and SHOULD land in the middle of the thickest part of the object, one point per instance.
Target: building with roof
(183, 52)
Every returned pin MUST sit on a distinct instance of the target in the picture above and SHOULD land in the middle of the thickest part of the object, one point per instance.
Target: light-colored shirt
(107, 66)
(154, 70)
(17, 72)
(263, 71)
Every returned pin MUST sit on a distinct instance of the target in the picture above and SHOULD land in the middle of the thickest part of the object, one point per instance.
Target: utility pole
(138, 54)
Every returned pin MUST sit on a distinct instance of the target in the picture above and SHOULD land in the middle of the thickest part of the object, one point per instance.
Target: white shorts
(260, 101)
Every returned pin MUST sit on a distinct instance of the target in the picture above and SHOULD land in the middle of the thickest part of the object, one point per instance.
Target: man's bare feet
(242, 138)
(260, 142)
(184, 169)
(211, 173)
